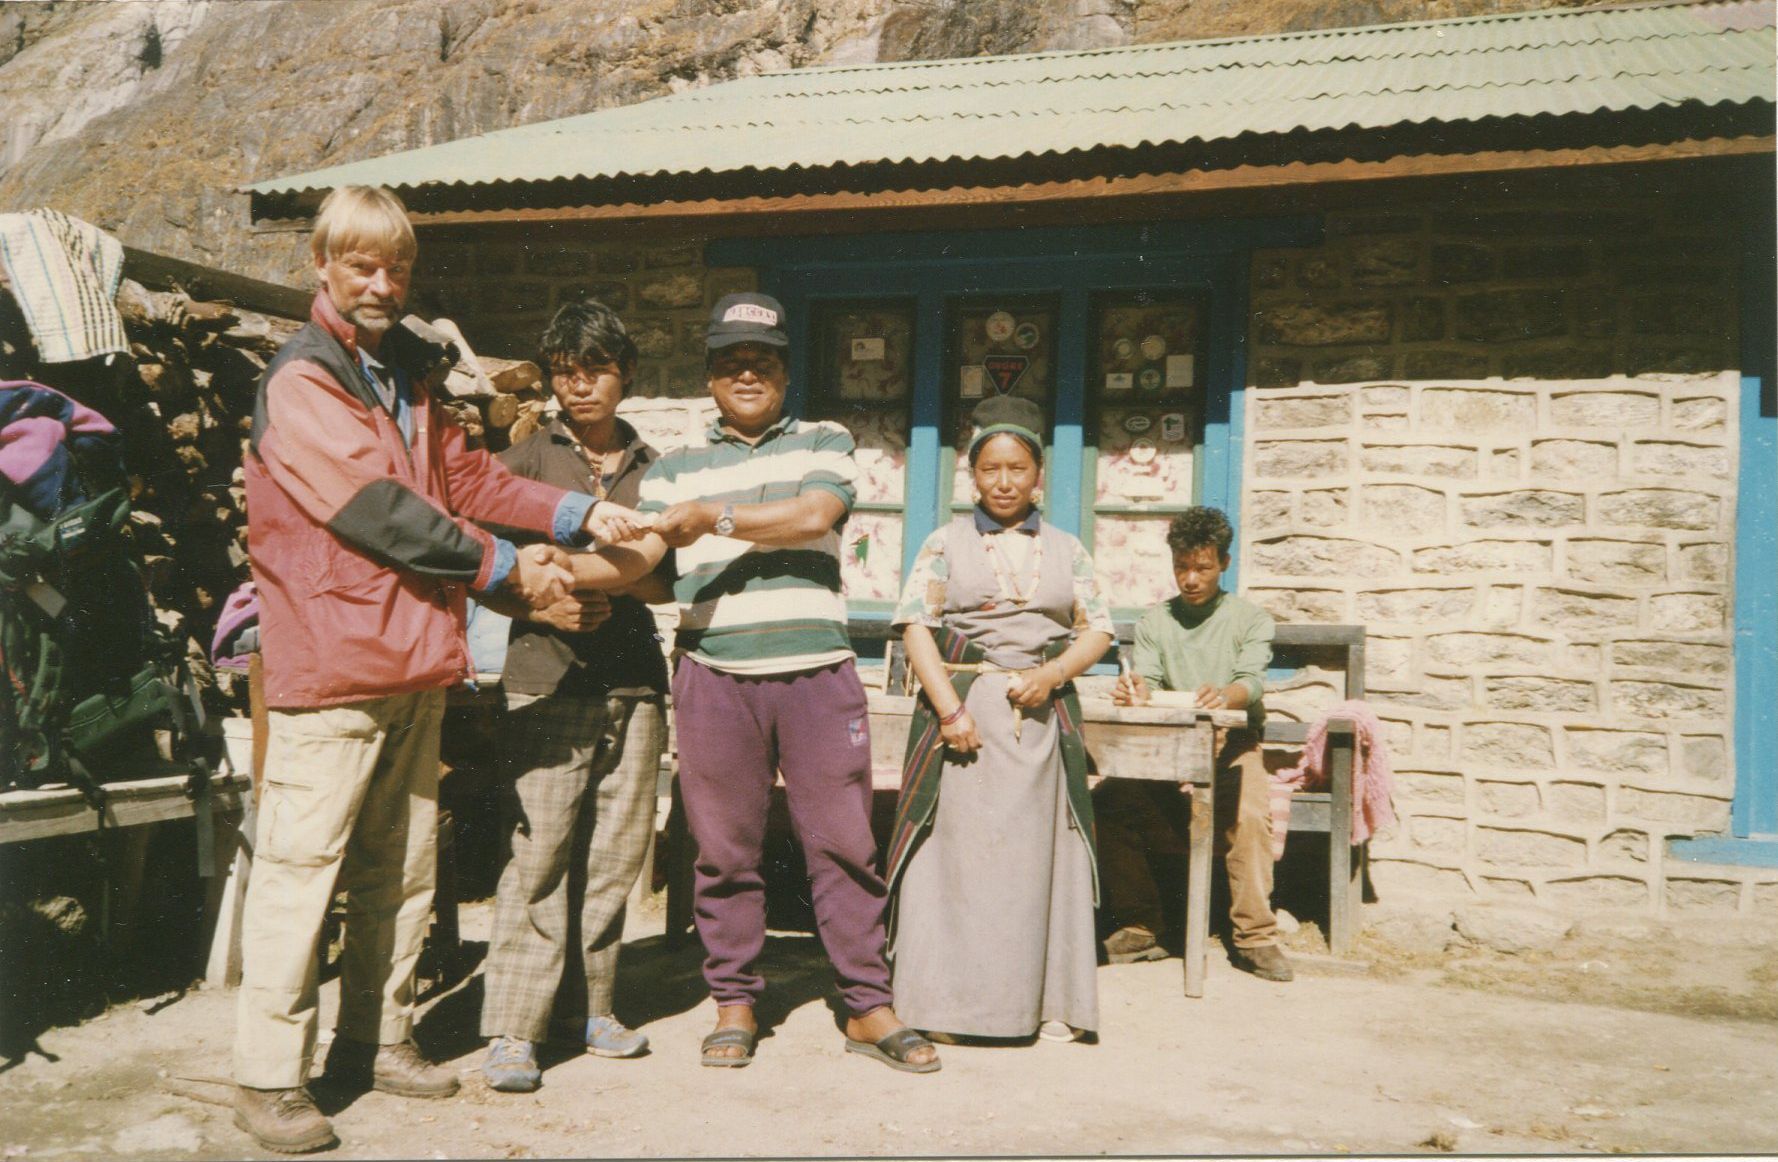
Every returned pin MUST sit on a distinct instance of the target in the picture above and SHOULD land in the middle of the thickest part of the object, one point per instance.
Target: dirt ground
(1623, 1037)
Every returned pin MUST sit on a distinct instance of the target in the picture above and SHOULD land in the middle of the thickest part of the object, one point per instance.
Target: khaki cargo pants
(350, 795)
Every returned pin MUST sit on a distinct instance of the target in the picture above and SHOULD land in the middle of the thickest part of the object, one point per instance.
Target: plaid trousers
(580, 808)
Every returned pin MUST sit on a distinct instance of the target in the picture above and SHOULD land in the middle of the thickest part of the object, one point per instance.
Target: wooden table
(1160, 744)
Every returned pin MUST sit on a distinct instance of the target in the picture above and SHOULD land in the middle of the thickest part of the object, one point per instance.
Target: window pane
(1003, 348)
(999, 346)
(1145, 455)
(869, 351)
(1149, 351)
(1132, 561)
(863, 378)
(882, 454)
(870, 556)
(1150, 347)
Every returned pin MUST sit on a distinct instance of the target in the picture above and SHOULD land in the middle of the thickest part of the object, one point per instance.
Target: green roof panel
(982, 108)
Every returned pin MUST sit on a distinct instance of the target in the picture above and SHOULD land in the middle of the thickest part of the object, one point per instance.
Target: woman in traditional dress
(991, 868)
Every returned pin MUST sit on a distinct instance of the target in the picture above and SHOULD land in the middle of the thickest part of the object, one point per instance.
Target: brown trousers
(1137, 819)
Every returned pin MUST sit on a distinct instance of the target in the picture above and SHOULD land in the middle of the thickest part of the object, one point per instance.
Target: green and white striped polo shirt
(757, 609)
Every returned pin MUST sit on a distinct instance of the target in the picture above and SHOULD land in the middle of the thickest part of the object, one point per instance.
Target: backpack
(89, 674)
(237, 630)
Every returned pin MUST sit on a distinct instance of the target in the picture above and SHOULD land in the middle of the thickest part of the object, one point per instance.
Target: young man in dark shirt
(584, 681)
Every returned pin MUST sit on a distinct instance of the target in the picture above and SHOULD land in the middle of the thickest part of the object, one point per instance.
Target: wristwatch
(725, 524)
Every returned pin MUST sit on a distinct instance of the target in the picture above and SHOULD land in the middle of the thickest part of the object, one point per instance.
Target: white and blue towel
(64, 275)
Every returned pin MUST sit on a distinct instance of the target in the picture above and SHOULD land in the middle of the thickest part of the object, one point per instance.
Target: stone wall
(1501, 434)
(502, 285)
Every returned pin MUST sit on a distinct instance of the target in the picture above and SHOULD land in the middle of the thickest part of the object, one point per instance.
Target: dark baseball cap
(746, 318)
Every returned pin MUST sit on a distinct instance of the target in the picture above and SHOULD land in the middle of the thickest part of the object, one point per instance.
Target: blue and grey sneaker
(511, 1066)
(607, 1036)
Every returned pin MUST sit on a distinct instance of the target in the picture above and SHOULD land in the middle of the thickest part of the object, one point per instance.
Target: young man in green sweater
(1217, 646)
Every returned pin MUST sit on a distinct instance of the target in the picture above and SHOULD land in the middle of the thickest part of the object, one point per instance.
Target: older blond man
(360, 492)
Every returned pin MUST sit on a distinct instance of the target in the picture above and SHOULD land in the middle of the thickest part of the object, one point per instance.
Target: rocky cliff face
(144, 117)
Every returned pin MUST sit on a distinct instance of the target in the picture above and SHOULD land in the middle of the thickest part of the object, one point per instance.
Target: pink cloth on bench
(1373, 780)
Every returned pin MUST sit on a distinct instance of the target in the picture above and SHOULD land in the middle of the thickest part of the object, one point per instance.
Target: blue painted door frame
(1070, 263)
(1756, 566)
(1754, 815)
(1757, 571)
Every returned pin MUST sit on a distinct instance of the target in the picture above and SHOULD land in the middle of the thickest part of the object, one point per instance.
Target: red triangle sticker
(1005, 370)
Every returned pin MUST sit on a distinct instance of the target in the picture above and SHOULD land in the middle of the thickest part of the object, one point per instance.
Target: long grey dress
(994, 912)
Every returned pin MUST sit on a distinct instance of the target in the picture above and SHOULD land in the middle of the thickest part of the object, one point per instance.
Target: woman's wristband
(953, 716)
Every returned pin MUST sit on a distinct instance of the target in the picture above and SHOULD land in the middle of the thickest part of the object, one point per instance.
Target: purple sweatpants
(735, 734)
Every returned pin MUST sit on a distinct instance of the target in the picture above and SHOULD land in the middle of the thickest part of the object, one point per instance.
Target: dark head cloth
(1008, 413)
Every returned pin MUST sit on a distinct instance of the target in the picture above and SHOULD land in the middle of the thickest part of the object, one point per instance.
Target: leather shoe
(284, 1120)
(397, 1069)
(1266, 962)
(1131, 944)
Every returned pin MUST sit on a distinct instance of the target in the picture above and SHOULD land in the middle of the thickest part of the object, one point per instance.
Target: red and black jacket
(362, 544)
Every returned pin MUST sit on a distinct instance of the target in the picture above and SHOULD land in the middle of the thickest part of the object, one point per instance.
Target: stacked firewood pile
(498, 401)
(186, 413)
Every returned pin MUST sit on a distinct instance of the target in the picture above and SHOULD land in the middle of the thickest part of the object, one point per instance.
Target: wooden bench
(1329, 812)
(158, 793)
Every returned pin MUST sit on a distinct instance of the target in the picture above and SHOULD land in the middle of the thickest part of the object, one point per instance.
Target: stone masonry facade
(1501, 435)
(503, 287)
(1498, 430)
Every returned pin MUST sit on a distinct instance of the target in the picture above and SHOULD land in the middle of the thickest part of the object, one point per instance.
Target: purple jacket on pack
(41, 433)
(240, 614)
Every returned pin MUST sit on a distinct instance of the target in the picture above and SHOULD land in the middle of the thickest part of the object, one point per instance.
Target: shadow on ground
(656, 981)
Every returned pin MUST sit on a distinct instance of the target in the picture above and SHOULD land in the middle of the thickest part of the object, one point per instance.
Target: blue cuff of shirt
(506, 559)
(570, 517)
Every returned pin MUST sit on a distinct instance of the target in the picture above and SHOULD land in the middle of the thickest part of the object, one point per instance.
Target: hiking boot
(284, 1120)
(1128, 945)
(1266, 962)
(511, 1066)
(606, 1036)
(397, 1069)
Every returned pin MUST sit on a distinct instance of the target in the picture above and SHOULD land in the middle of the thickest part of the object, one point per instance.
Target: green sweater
(1226, 640)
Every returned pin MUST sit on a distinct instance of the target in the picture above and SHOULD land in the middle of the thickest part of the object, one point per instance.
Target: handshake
(544, 580)
(544, 577)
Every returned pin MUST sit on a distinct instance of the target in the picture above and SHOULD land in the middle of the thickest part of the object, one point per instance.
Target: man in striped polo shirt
(766, 683)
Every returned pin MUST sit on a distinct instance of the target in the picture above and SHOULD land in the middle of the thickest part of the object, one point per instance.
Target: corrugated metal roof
(984, 108)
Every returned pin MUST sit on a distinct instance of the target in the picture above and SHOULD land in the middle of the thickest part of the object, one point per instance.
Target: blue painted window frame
(1073, 264)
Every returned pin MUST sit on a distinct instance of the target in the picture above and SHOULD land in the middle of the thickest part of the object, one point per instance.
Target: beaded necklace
(597, 461)
(1004, 578)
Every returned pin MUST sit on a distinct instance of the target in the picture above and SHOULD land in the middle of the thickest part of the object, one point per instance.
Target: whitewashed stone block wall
(1514, 464)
